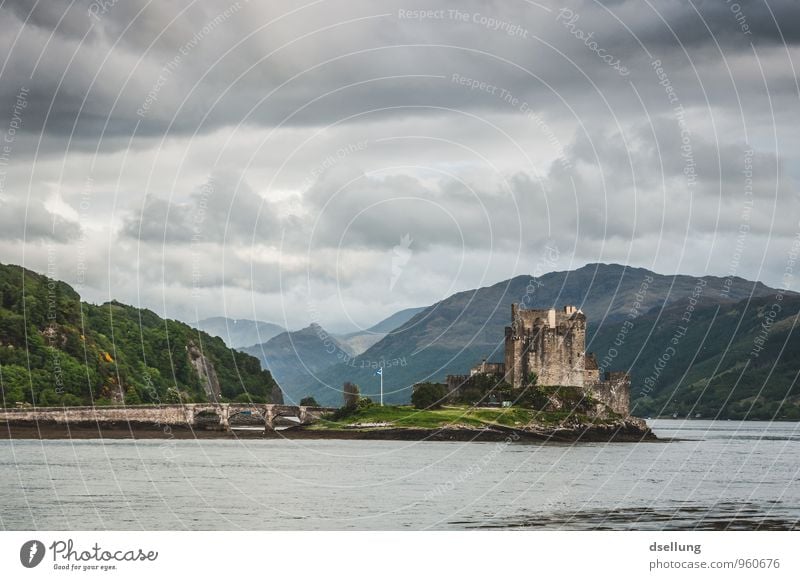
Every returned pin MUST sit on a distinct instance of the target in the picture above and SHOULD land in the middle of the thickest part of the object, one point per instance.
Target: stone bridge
(195, 415)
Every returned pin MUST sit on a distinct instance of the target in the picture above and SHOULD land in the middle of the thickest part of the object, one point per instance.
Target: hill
(238, 333)
(57, 350)
(395, 321)
(732, 361)
(452, 335)
(292, 357)
(358, 342)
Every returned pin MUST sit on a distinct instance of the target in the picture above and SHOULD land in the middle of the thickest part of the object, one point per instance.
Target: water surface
(720, 475)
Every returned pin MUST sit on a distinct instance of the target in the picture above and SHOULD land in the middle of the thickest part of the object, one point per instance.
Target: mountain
(732, 361)
(238, 333)
(57, 350)
(395, 321)
(452, 335)
(358, 342)
(293, 357)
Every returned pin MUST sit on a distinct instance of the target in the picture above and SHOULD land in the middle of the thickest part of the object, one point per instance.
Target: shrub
(471, 396)
(349, 410)
(428, 396)
(308, 402)
(556, 398)
(532, 398)
(364, 403)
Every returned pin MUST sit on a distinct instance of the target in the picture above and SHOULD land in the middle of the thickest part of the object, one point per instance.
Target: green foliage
(15, 381)
(364, 403)
(308, 402)
(428, 395)
(132, 397)
(556, 399)
(82, 354)
(471, 396)
(531, 398)
(249, 397)
(481, 389)
(359, 404)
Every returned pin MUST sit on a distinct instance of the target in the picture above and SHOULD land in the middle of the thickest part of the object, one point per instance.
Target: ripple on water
(720, 516)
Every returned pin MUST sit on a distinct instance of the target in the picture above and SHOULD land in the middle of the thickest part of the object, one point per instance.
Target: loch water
(712, 475)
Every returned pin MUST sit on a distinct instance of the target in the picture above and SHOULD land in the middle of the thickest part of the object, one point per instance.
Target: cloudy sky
(336, 161)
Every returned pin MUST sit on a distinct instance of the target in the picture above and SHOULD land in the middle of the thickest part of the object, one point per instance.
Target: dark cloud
(150, 68)
(483, 138)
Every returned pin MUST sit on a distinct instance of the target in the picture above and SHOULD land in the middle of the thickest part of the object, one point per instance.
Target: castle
(552, 344)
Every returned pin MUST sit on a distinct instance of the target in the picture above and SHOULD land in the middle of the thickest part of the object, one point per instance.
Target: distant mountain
(395, 321)
(293, 357)
(360, 341)
(56, 350)
(452, 335)
(238, 333)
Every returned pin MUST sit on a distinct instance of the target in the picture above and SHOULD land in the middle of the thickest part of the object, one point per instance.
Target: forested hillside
(57, 350)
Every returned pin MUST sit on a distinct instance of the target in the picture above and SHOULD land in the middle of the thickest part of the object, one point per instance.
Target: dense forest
(57, 350)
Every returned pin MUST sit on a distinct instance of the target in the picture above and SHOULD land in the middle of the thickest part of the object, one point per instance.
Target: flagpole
(381, 386)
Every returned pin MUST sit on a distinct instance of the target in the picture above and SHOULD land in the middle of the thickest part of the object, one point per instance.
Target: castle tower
(550, 343)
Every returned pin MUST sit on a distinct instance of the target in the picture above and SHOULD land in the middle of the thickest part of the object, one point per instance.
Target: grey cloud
(356, 210)
(423, 174)
(67, 19)
(29, 220)
(159, 220)
(222, 210)
(628, 189)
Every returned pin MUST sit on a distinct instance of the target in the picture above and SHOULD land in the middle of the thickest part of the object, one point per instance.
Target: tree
(308, 402)
(15, 383)
(428, 395)
(132, 397)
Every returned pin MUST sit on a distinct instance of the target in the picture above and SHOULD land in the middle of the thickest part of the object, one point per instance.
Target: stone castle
(552, 344)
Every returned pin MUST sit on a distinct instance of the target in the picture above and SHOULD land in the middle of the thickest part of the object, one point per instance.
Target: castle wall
(614, 391)
(454, 383)
(513, 350)
(488, 368)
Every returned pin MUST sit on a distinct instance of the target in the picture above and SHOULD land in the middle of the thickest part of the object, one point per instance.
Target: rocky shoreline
(629, 430)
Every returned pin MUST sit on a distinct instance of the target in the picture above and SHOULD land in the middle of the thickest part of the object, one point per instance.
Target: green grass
(409, 417)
